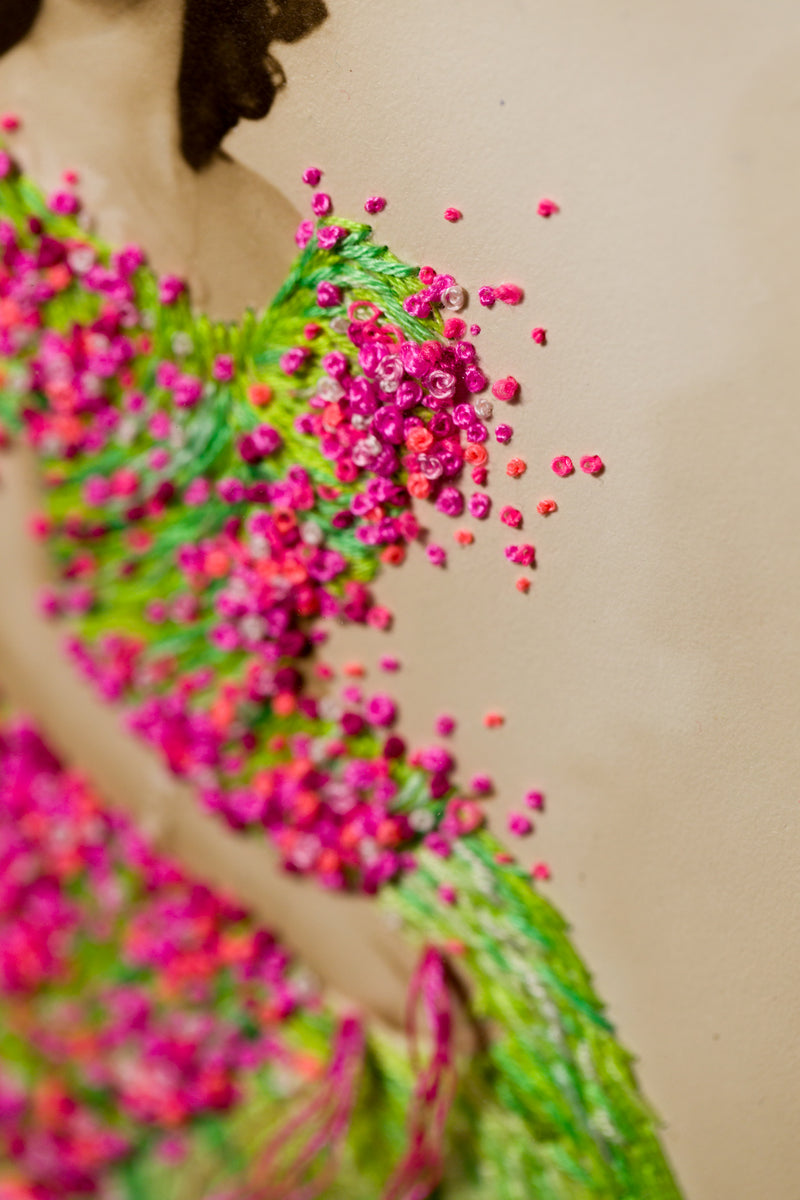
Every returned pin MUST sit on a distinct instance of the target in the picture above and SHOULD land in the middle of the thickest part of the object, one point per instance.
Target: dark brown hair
(226, 71)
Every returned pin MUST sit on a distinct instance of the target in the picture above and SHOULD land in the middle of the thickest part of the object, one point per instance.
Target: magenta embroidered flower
(223, 368)
(312, 176)
(450, 501)
(328, 294)
(563, 465)
(592, 464)
(487, 296)
(436, 555)
(170, 287)
(66, 204)
(329, 236)
(375, 204)
(523, 555)
(452, 214)
(304, 233)
(381, 710)
(519, 824)
(479, 505)
(511, 516)
(294, 360)
(186, 391)
(321, 204)
(546, 208)
(505, 389)
(503, 434)
(509, 293)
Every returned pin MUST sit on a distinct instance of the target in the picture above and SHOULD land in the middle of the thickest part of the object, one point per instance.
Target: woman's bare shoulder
(247, 228)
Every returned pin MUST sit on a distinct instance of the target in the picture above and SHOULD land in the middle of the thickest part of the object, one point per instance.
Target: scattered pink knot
(454, 329)
(170, 287)
(487, 296)
(464, 537)
(474, 330)
(509, 293)
(563, 465)
(452, 214)
(523, 584)
(539, 335)
(328, 294)
(503, 434)
(304, 233)
(516, 467)
(375, 204)
(519, 824)
(493, 719)
(9, 122)
(541, 870)
(524, 555)
(445, 725)
(545, 507)
(329, 236)
(447, 893)
(222, 369)
(511, 516)
(481, 785)
(321, 204)
(436, 555)
(592, 464)
(546, 208)
(534, 800)
(505, 389)
(65, 204)
(312, 176)
(479, 505)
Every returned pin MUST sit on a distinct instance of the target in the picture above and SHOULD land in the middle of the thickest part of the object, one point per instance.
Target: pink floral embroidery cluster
(161, 998)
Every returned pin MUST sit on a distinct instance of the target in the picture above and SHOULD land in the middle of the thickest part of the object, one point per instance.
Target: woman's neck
(96, 86)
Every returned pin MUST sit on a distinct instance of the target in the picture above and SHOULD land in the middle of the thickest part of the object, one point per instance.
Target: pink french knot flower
(453, 214)
(487, 296)
(523, 555)
(505, 389)
(9, 121)
(509, 293)
(540, 870)
(519, 824)
(294, 359)
(328, 294)
(539, 335)
(592, 464)
(6, 164)
(223, 368)
(563, 465)
(312, 176)
(546, 208)
(64, 203)
(321, 204)
(454, 329)
(304, 233)
(437, 555)
(511, 516)
(329, 235)
(170, 287)
(186, 391)
(375, 204)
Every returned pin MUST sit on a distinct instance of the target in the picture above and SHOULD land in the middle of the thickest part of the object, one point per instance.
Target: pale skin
(95, 85)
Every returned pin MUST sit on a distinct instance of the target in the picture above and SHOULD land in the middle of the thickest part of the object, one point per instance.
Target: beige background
(650, 679)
